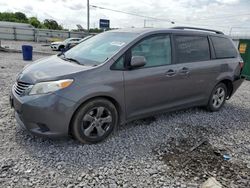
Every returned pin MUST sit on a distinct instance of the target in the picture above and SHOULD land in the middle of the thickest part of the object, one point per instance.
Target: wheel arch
(61, 46)
(109, 98)
(229, 84)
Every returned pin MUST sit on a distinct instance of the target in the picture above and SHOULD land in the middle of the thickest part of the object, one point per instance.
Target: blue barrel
(27, 52)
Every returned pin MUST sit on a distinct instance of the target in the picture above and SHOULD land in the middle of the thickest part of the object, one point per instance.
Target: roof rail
(196, 28)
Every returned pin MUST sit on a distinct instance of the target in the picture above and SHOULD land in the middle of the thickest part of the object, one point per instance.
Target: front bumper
(45, 115)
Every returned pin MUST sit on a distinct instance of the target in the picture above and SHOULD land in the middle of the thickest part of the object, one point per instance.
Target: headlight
(48, 87)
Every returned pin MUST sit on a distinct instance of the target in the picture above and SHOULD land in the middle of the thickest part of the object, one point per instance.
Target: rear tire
(94, 121)
(217, 97)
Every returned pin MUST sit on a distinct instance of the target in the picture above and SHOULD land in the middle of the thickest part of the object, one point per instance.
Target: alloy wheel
(218, 97)
(96, 122)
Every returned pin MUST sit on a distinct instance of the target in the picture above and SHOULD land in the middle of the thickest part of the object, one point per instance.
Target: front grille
(20, 87)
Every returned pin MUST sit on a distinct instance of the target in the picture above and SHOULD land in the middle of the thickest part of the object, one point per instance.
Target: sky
(224, 15)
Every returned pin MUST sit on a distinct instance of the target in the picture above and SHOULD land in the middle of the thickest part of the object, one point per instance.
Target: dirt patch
(194, 159)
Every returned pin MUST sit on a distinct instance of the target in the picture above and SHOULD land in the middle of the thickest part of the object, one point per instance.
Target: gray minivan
(123, 75)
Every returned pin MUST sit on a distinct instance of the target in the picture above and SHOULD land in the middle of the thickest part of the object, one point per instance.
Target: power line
(173, 22)
(133, 14)
(158, 19)
(221, 16)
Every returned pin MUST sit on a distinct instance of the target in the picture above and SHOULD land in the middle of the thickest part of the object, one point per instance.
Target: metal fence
(46, 35)
(38, 35)
(240, 36)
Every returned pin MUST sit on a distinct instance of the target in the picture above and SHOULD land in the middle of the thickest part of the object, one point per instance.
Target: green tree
(7, 16)
(52, 24)
(13, 17)
(35, 22)
(95, 30)
(21, 17)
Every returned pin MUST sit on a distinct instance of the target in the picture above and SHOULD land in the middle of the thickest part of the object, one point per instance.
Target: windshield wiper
(68, 58)
(71, 59)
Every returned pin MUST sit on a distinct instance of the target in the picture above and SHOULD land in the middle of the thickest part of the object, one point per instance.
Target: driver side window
(156, 50)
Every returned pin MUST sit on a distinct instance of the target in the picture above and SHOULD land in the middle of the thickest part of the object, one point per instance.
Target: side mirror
(138, 61)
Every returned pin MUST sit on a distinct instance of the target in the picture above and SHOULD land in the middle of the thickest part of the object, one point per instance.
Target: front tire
(60, 48)
(94, 121)
(217, 98)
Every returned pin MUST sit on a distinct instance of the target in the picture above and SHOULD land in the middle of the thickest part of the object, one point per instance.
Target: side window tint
(156, 50)
(119, 64)
(223, 47)
(191, 49)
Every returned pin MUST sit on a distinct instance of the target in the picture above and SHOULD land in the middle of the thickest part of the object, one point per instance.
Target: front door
(153, 87)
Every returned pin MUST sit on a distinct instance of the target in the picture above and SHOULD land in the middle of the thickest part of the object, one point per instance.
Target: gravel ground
(178, 149)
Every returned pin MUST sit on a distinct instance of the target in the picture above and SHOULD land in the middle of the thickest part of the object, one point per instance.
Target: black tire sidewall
(60, 48)
(77, 130)
(210, 103)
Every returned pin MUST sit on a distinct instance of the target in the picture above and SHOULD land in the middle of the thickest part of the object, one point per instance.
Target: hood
(50, 68)
(59, 42)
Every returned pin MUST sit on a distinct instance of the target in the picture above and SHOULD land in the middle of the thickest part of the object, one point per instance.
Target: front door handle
(184, 71)
(170, 73)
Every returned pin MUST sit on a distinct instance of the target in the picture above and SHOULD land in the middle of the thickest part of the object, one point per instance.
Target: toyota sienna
(123, 75)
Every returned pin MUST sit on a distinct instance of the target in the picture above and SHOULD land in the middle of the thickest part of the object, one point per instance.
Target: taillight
(241, 63)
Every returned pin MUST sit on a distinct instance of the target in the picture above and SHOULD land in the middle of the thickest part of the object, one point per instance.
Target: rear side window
(223, 47)
(191, 48)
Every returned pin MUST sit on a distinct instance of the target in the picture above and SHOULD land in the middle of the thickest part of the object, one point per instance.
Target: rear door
(196, 70)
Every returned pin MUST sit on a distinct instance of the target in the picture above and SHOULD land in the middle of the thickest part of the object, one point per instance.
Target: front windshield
(99, 48)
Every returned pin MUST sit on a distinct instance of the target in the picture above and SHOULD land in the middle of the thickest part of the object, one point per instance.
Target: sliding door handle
(184, 71)
(170, 73)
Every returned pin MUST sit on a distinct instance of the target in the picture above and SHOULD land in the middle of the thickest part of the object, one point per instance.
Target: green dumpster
(244, 49)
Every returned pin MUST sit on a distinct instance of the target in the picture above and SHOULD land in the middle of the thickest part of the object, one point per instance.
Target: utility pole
(88, 16)
(145, 23)
(230, 32)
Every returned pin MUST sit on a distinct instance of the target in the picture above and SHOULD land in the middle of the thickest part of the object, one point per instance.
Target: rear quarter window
(223, 47)
(119, 64)
(191, 48)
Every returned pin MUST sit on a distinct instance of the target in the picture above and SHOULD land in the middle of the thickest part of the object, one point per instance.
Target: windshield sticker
(117, 43)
